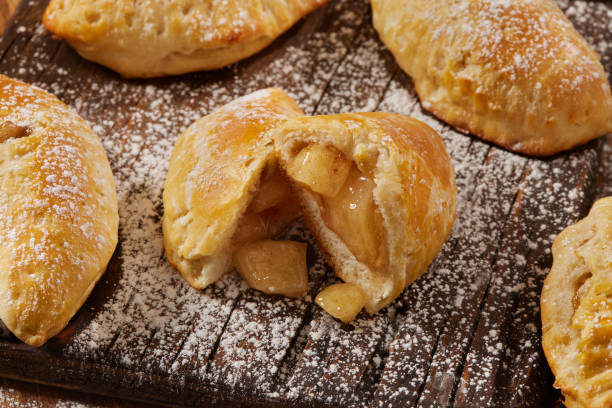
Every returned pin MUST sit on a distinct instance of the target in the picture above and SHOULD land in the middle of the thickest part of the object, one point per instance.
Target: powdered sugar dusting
(519, 39)
(138, 325)
(54, 188)
(16, 398)
(604, 181)
(450, 338)
(596, 20)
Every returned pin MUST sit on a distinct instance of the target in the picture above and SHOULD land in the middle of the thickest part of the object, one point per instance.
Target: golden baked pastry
(223, 187)
(577, 310)
(378, 192)
(152, 38)
(58, 212)
(515, 73)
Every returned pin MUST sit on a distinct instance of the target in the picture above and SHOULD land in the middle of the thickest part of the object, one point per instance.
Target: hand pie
(378, 192)
(58, 212)
(515, 73)
(224, 188)
(577, 310)
(152, 38)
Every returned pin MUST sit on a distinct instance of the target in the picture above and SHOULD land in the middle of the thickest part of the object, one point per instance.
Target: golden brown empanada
(58, 212)
(378, 192)
(152, 38)
(577, 310)
(224, 188)
(515, 73)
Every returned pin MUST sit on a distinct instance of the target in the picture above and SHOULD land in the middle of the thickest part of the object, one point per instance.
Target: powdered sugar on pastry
(154, 38)
(58, 212)
(515, 73)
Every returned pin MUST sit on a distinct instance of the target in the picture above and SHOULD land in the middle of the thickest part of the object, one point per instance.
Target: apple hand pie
(58, 212)
(378, 192)
(151, 38)
(224, 190)
(577, 310)
(515, 73)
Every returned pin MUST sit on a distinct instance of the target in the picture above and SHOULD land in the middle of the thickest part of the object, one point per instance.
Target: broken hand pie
(576, 308)
(58, 212)
(152, 38)
(378, 192)
(224, 189)
(515, 73)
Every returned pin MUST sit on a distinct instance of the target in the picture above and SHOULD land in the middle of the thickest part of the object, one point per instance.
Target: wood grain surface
(466, 334)
(22, 394)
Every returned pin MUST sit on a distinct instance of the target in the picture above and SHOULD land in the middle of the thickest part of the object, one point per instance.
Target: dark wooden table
(24, 394)
(466, 334)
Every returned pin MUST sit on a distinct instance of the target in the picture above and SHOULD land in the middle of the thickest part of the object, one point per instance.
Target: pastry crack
(10, 131)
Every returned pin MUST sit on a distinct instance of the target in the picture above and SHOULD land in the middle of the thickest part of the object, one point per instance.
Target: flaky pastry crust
(58, 212)
(515, 73)
(152, 38)
(214, 172)
(576, 308)
(415, 193)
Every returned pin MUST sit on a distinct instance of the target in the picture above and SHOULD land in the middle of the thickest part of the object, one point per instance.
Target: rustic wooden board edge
(24, 363)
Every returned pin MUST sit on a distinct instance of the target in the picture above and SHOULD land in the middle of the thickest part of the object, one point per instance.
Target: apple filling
(271, 210)
(343, 301)
(273, 267)
(346, 200)
(323, 169)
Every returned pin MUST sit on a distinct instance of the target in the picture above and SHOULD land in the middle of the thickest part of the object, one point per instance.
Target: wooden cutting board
(466, 334)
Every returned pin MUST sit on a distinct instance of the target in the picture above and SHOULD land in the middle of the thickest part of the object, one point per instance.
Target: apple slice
(353, 215)
(323, 169)
(343, 301)
(274, 267)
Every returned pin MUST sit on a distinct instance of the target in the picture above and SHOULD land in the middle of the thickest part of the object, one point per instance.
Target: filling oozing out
(343, 301)
(274, 267)
(346, 200)
(270, 211)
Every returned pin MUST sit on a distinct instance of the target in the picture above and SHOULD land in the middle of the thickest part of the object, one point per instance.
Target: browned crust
(575, 313)
(513, 73)
(418, 212)
(58, 213)
(149, 39)
(213, 173)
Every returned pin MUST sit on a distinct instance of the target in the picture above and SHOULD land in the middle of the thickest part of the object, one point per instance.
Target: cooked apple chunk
(322, 168)
(395, 205)
(353, 215)
(274, 267)
(343, 301)
(347, 200)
